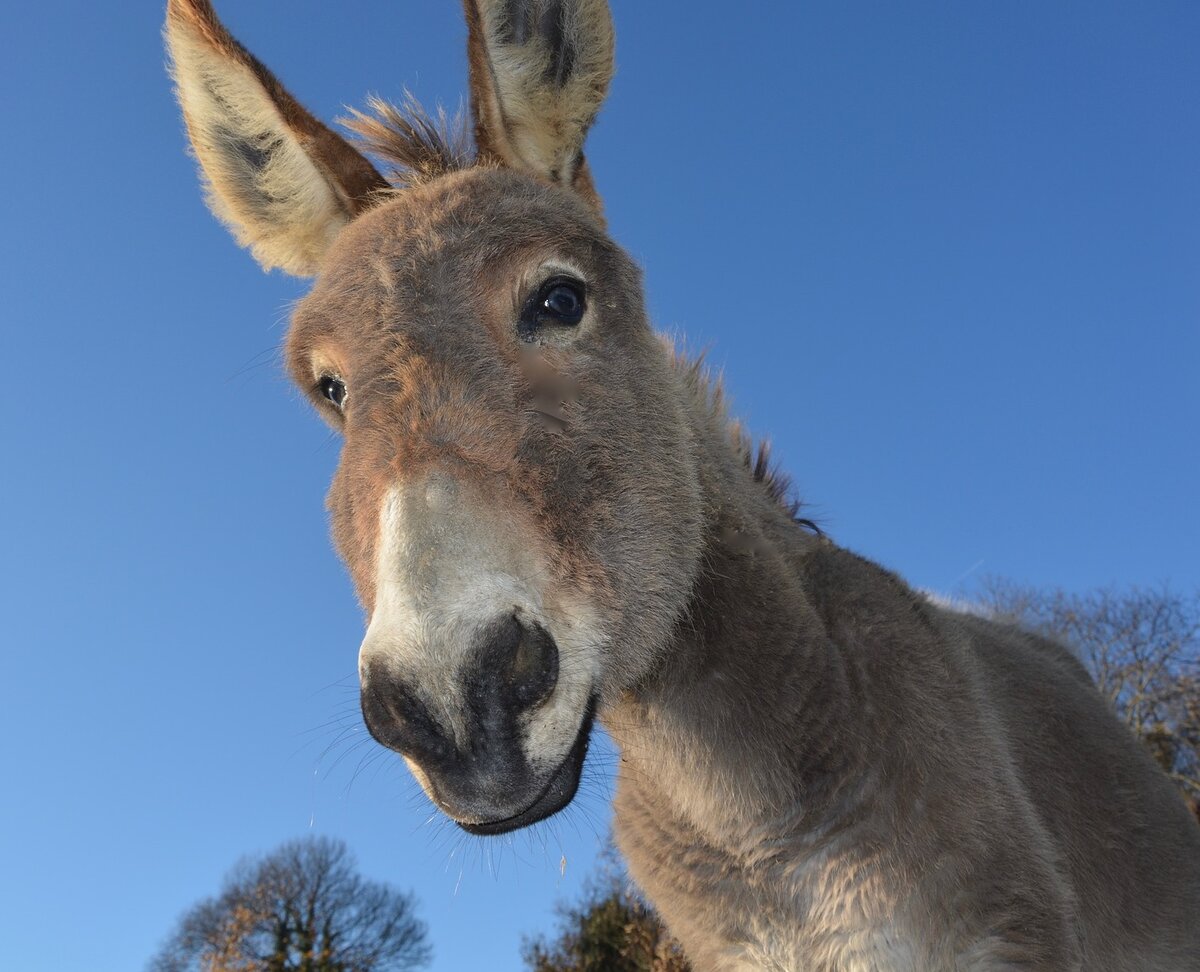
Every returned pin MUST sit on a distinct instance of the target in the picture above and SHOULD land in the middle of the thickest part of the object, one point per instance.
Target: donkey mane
(708, 390)
(419, 145)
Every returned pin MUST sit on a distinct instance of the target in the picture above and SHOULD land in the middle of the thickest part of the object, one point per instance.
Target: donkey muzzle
(476, 765)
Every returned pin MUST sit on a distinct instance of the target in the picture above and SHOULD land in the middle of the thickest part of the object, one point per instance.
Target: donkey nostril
(397, 719)
(533, 669)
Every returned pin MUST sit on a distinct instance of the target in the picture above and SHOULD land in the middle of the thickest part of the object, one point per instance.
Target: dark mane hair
(754, 454)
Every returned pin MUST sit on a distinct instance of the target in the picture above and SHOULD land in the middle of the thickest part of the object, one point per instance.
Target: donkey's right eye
(333, 389)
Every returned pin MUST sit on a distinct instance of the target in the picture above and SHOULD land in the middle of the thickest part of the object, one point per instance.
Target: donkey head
(517, 496)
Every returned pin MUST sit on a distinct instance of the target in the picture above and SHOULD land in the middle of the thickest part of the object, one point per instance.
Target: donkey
(549, 518)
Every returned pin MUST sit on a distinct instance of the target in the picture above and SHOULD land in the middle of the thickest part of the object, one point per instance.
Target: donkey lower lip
(559, 791)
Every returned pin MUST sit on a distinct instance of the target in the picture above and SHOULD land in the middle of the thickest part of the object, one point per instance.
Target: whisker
(259, 360)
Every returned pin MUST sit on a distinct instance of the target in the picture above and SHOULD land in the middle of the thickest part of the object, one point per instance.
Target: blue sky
(947, 255)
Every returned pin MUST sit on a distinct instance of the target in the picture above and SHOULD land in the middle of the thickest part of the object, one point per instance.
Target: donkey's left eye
(558, 302)
(562, 303)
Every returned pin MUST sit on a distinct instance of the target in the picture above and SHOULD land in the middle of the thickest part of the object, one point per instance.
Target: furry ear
(283, 182)
(539, 72)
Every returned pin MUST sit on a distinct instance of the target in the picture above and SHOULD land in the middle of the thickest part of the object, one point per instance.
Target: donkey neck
(745, 725)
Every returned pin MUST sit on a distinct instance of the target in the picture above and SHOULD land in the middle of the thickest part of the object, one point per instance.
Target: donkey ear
(539, 72)
(283, 182)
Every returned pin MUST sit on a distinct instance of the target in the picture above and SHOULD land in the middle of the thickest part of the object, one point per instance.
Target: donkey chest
(784, 923)
(845, 943)
(784, 909)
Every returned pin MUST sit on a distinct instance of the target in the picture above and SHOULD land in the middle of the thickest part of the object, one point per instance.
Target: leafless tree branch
(302, 908)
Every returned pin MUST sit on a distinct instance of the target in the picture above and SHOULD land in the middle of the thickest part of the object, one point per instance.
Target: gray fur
(831, 773)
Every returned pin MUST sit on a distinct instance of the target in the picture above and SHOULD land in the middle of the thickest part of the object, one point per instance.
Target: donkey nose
(512, 669)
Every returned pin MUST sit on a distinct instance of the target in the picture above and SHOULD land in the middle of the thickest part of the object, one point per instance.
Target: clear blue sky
(948, 255)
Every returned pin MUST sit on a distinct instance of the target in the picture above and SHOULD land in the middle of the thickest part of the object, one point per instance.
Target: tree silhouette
(301, 908)
(610, 930)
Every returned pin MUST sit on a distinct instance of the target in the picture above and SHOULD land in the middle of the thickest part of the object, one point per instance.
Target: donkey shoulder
(963, 690)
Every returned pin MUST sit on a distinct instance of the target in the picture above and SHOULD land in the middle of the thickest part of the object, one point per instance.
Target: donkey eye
(333, 389)
(558, 302)
(562, 302)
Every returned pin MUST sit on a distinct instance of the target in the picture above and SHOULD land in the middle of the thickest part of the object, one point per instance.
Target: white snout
(451, 562)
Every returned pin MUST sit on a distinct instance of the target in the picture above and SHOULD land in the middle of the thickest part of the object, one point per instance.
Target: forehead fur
(460, 238)
(484, 207)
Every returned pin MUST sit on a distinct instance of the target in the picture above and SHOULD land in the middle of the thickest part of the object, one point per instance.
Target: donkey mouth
(559, 791)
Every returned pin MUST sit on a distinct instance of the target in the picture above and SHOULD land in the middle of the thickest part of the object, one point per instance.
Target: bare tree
(301, 908)
(1142, 647)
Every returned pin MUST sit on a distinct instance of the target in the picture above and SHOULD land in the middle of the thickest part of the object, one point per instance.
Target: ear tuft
(282, 181)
